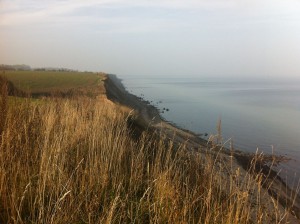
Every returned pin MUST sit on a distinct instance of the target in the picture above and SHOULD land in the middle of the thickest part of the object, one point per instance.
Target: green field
(39, 82)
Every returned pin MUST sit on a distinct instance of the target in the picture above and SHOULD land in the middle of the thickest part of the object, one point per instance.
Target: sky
(218, 38)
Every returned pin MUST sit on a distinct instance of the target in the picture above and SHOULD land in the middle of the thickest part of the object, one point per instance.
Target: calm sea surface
(255, 114)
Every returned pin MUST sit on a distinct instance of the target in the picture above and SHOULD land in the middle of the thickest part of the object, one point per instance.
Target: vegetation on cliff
(79, 159)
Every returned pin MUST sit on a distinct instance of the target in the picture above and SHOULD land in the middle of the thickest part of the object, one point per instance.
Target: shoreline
(148, 116)
(147, 113)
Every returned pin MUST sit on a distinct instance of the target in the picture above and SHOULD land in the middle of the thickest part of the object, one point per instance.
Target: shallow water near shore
(255, 114)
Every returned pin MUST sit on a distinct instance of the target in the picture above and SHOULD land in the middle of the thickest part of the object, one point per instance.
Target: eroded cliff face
(116, 92)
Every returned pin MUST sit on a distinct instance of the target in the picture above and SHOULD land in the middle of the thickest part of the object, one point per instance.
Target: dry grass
(75, 161)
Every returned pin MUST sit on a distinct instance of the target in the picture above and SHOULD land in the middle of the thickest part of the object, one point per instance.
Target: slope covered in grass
(76, 161)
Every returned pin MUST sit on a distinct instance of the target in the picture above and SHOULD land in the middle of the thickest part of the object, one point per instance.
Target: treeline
(23, 67)
(15, 67)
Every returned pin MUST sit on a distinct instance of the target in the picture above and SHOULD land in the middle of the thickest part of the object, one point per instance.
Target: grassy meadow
(51, 82)
(77, 160)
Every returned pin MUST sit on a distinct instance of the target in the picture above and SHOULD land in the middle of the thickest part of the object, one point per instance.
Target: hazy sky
(143, 37)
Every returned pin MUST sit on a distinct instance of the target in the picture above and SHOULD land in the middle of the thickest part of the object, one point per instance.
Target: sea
(256, 115)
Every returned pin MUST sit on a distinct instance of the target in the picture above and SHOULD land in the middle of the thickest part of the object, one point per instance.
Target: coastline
(148, 117)
(147, 114)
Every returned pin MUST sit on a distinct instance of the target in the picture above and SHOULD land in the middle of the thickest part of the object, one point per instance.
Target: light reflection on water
(254, 114)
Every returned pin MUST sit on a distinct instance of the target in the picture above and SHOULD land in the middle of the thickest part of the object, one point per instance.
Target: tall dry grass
(75, 161)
